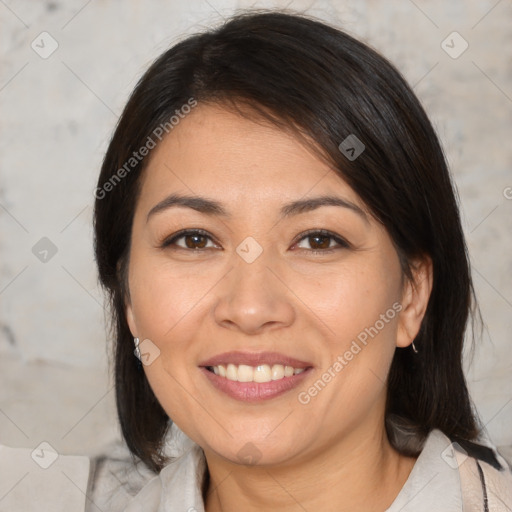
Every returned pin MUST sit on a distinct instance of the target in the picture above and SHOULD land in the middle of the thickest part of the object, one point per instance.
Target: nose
(254, 298)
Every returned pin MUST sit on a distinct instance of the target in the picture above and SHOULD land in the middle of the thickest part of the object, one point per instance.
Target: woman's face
(225, 311)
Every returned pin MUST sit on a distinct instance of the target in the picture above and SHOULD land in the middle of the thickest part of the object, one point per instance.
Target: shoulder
(485, 474)
(115, 478)
(451, 475)
(121, 482)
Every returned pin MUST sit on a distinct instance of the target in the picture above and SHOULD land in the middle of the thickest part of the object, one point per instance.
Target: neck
(361, 471)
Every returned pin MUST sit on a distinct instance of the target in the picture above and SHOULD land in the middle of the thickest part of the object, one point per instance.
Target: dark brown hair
(306, 76)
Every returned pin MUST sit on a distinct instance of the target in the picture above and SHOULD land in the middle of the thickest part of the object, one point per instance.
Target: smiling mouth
(261, 373)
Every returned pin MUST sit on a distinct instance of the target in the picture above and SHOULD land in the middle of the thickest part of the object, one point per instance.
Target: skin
(196, 303)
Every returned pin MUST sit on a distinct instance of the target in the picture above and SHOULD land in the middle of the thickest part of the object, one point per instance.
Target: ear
(122, 276)
(415, 296)
(130, 318)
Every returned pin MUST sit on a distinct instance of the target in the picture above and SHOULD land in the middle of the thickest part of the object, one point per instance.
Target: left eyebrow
(307, 205)
(214, 208)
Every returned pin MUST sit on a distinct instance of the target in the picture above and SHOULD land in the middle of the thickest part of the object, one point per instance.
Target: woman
(277, 230)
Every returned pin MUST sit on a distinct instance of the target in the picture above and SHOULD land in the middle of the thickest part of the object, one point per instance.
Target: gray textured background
(58, 112)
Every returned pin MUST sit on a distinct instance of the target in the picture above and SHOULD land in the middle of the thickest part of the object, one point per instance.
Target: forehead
(214, 151)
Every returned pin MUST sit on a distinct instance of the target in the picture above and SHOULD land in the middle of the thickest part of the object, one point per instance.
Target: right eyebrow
(198, 203)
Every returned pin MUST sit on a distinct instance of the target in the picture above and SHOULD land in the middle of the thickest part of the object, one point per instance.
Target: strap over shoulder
(486, 478)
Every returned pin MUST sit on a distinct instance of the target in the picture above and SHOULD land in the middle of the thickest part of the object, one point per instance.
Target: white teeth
(245, 373)
(277, 372)
(232, 372)
(261, 373)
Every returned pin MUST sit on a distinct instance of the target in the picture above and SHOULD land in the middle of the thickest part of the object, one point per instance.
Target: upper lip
(254, 359)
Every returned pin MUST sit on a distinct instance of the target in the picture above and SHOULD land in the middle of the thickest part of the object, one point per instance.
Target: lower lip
(255, 391)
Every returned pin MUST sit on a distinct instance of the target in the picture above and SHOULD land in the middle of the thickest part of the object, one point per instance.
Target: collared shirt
(445, 478)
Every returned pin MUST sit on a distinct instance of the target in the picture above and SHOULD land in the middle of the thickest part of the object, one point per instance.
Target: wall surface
(67, 70)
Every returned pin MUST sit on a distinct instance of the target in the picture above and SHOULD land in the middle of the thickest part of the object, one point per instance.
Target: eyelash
(343, 244)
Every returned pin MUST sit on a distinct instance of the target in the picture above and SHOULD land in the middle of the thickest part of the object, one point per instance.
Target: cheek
(355, 298)
(162, 296)
(361, 343)
(165, 305)
(359, 307)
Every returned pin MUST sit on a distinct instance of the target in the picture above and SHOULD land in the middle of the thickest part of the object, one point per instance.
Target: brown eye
(320, 241)
(193, 239)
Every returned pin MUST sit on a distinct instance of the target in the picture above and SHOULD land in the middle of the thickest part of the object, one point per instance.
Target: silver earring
(137, 349)
(414, 348)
